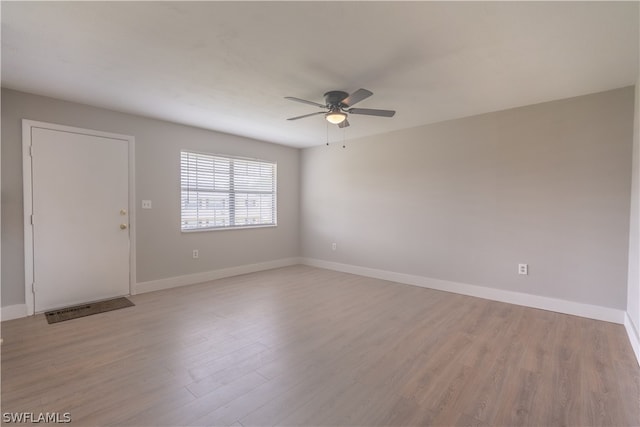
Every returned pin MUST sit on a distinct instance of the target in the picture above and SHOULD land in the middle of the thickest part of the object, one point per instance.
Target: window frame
(232, 194)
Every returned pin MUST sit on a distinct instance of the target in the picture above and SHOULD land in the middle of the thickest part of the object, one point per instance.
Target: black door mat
(88, 309)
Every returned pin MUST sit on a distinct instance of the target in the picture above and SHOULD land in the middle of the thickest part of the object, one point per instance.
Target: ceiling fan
(338, 104)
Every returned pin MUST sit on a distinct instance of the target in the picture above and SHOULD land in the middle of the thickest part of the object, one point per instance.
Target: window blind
(226, 192)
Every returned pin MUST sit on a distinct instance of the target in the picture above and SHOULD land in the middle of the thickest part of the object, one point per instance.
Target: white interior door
(80, 205)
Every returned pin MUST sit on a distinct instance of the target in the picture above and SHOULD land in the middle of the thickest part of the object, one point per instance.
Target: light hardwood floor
(305, 346)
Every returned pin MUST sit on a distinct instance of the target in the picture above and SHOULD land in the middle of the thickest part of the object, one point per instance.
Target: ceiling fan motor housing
(334, 97)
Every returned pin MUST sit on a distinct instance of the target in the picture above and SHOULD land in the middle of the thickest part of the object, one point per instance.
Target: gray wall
(467, 200)
(633, 286)
(162, 250)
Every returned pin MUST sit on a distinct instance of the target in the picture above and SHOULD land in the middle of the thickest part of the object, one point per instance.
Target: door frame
(27, 126)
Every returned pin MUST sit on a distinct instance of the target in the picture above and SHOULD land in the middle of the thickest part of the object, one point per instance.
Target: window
(226, 192)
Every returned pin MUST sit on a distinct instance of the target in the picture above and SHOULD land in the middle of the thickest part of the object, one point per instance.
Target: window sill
(239, 227)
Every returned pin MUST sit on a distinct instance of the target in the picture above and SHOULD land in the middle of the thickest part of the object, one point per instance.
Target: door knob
(123, 226)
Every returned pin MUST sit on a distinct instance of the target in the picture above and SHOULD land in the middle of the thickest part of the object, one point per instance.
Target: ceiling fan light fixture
(335, 117)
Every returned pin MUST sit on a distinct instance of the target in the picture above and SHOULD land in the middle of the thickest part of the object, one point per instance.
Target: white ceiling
(226, 66)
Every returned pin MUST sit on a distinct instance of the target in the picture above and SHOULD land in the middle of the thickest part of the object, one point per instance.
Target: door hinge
(31, 150)
(33, 287)
(32, 220)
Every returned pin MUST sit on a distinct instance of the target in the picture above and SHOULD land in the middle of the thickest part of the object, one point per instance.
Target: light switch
(146, 204)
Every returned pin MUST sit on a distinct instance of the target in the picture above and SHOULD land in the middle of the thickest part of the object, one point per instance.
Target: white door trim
(27, 125)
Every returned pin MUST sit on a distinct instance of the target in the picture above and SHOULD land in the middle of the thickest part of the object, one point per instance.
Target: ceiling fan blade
(343, 124)
(304, 101)
(372, 112)
(307, 115)
(356, 97)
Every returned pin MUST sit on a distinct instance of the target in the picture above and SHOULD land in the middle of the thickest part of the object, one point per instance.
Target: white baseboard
(11, 312)
(535, 301)
(207, 276)
(634, 336)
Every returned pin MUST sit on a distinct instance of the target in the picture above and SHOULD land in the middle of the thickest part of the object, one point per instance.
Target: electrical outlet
(195, 254)
(146, 204)
(523, 269)
(334, 246)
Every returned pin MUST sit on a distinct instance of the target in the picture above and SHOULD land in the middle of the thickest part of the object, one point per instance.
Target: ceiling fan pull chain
(327, 133)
